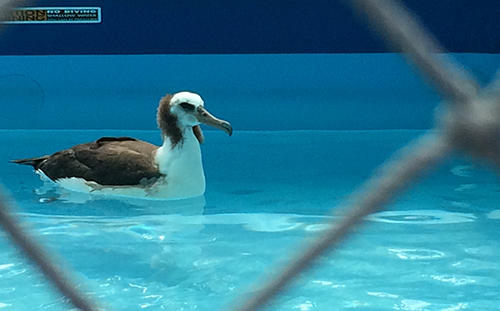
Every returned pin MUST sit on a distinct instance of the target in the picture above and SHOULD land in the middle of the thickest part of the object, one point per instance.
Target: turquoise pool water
(268, 193)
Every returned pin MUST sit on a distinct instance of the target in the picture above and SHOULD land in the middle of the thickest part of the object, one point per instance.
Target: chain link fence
(468, 121)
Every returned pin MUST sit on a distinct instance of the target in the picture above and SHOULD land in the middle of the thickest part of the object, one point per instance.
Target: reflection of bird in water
(61, 199)
(129, 167)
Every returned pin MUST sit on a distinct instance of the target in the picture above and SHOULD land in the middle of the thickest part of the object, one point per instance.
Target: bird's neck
(182, 165)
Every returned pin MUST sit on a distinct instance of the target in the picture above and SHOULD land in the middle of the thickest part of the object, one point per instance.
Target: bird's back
(108, 161)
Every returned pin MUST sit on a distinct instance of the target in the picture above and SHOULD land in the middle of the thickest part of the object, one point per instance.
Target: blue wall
(253, 92)
(245, 27)
(262, 65)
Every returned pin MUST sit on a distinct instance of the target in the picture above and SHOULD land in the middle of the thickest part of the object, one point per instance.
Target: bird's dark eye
(187, 106)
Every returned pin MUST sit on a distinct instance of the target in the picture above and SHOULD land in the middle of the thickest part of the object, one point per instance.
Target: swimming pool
(268, 193)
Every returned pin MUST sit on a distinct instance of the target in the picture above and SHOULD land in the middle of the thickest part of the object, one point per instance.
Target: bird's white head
(185, 105)
(185, 111)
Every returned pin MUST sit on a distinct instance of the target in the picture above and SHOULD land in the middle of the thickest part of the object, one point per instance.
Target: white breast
(183, 168)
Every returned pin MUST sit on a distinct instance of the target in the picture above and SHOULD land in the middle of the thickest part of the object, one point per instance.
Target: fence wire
(468, 121)
(19, 234)
(34, 251)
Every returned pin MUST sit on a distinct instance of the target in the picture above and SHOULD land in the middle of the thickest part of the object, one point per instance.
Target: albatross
(125, 166)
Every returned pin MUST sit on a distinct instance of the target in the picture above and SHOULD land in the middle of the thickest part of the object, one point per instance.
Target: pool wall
(239, 27)
(254, 92)
(262, 65)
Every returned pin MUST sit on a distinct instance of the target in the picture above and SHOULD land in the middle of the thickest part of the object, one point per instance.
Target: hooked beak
(203, 116)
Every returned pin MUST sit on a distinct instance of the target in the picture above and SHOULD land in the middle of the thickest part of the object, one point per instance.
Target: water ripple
(422, 217)
(417, 254)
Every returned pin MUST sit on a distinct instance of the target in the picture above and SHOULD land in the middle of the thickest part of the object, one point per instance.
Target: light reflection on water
(153, 260)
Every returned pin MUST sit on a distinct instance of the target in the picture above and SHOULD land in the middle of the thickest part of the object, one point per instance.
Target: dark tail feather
(35, 162)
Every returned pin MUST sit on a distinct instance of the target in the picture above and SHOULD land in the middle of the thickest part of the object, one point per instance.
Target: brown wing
(107, 161)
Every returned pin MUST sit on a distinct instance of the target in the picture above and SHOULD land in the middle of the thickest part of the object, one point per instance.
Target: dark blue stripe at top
(245, 27)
